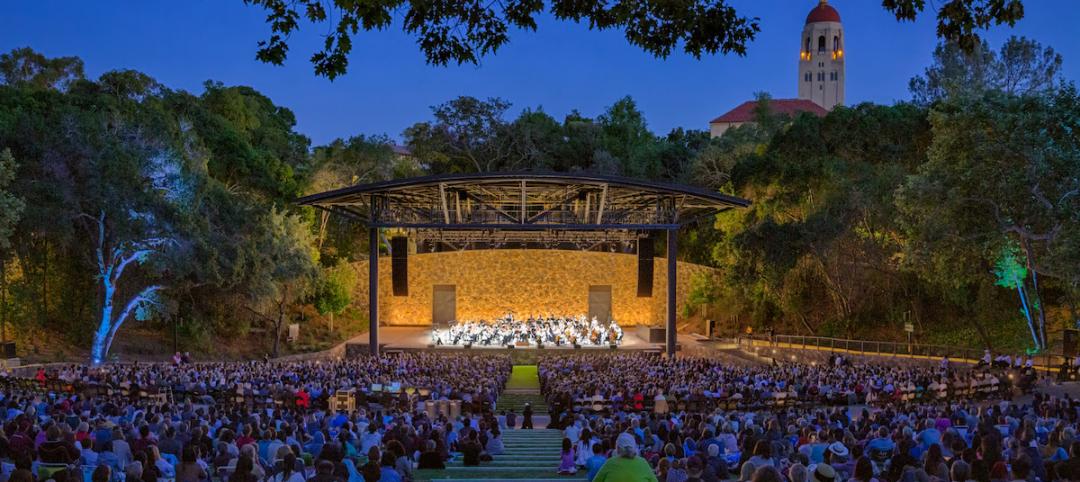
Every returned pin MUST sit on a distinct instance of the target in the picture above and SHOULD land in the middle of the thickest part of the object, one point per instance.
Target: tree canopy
(464, 31)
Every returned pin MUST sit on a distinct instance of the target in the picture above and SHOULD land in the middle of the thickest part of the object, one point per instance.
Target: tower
(821, 57)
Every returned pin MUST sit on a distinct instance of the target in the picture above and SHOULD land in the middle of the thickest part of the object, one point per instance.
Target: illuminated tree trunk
(1037, 301)
(111, 264)
(1027, 312)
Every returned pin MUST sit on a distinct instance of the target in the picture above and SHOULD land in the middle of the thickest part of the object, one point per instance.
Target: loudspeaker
(1068, 348)
(399, 265)
(644, 267)
(8, 349)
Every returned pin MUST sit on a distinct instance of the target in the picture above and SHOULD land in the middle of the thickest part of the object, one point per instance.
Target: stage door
(443, 306)
(600, 302)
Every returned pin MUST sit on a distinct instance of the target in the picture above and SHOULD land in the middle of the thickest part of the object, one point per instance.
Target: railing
(885, 348)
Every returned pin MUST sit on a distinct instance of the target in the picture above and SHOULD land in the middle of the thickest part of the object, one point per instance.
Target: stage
(419, 337)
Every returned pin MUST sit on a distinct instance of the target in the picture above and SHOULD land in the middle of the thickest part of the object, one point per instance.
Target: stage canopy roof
(545, 207)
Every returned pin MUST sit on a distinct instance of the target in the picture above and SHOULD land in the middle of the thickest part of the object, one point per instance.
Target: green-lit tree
(1002, 171)
(1011, 273)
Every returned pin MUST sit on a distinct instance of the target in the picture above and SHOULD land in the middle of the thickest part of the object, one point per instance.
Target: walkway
(531, 455)
(524, 387)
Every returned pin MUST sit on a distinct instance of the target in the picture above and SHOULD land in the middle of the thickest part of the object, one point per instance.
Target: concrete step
(496, 470)
(561, 479)
(523, 464)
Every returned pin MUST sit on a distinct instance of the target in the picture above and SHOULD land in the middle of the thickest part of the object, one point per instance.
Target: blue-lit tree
(113, 258)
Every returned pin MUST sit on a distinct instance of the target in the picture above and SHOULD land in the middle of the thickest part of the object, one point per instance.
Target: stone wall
(526, 281)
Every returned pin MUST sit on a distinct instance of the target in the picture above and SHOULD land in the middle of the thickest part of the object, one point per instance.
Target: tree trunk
(1037, 302)
(43, 308)
(277, 326)
(1072, 310)
(324, 219)
(805, 324)
(331, 322)
(1027, 312)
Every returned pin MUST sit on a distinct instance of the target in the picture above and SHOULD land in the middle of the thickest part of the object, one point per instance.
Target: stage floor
(420, 337)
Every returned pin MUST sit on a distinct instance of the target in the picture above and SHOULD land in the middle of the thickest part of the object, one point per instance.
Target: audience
(624, 417)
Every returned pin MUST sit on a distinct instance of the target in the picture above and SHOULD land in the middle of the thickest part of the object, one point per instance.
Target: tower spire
(821, 61)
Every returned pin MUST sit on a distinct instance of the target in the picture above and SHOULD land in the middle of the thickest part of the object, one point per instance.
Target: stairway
(523, 387)
(516, 401)
(530, 456)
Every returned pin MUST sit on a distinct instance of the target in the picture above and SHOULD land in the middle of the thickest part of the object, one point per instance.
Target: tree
(10, 205)
(1011, 273)
(468, 135)
(10, 209)
(712, 166)
(283, 268)
(958, 20)
(464, 31)
(113, 258)
(335, 290)
(1022, 67)
(251, 142)
(23, 67)
(1002, 171)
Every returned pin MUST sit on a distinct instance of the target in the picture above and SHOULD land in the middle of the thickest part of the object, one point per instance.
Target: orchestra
(535, 330)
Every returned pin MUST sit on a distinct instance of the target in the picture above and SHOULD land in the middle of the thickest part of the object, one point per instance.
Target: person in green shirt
(626, 465)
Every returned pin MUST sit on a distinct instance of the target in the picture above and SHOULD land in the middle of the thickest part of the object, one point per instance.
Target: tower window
(821, 44)
(836, 43)
(807, 44)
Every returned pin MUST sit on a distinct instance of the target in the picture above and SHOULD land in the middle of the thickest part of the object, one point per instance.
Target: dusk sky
(560, 67)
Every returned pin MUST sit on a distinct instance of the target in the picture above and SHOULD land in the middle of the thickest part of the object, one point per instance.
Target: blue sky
(560, 67)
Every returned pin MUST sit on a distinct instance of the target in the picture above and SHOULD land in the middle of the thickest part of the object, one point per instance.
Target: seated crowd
(72, 434)
(624, 417)
(627, 417)
(434, 376)
(640, 381)
(551, 330)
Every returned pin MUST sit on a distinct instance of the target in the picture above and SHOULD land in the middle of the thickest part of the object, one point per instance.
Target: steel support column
(373, 290)
(672, 254)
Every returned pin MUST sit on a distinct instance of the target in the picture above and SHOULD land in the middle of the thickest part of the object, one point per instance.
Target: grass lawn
(523, 376)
